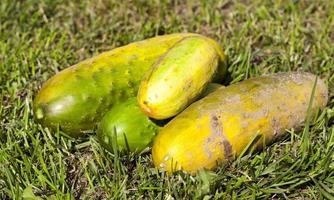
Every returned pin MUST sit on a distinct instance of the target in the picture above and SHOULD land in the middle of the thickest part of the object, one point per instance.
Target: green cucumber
(77, 97)
(128, 127)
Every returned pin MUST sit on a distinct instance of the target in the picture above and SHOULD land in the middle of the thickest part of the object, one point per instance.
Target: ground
(40, 38)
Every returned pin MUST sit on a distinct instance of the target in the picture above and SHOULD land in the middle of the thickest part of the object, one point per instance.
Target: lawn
(40, 38)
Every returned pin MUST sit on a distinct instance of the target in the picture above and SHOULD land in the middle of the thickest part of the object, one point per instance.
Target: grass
(40, 38)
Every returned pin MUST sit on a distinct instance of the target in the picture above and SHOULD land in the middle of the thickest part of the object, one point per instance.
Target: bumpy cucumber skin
(222, 124)
(180, 76)
(129, 122)
(77, 97)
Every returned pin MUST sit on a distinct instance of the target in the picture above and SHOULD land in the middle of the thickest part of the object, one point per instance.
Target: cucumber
(180, 76)
(221, 125)
(129, 128)
(77, 97)
(126, 126)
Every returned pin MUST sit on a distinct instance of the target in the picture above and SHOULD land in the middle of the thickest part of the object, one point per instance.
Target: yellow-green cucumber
(221, 125)
(180, 76)
(77, 97)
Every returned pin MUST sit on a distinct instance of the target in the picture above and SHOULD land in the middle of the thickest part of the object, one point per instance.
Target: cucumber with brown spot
(180, 76)
(221, 125)
(77, 97)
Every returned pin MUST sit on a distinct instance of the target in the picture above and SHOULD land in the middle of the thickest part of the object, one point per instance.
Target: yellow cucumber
(180, 76)
(221, 125)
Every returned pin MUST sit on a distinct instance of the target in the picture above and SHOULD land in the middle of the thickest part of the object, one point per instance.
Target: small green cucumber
(130, 128)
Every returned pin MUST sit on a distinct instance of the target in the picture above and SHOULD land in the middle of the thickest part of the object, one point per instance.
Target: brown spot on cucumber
(227, 148)
(279, 108)
(215, 124)
(276, 126)
(217, 137)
